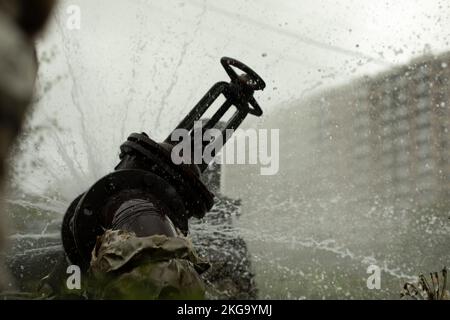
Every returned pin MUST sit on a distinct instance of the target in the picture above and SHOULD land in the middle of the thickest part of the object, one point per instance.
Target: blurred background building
(391, 132)
(364, 179)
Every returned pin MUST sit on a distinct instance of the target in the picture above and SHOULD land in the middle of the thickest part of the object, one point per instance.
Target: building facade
(390, 133)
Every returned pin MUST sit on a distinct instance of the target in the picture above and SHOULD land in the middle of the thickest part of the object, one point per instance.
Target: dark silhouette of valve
(238, 92)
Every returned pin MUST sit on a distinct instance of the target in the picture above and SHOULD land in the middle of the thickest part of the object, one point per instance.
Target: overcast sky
(133, 58)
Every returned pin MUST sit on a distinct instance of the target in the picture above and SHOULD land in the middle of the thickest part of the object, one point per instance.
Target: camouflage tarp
(124, 266)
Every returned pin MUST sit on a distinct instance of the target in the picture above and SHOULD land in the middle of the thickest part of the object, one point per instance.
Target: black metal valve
(238, 92)
(146, 174)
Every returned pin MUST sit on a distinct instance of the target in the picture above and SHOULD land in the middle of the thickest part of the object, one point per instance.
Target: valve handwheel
(255, 82)
(252, 80)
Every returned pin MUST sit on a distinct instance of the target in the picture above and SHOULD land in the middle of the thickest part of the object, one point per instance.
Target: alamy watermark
(374, 280)
(73, 21)
(251, 146)
(73, 281)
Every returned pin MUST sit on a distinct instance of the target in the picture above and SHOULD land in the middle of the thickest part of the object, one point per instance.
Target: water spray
(148, 193)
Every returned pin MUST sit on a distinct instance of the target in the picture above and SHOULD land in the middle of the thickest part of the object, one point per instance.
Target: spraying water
(110, 78)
